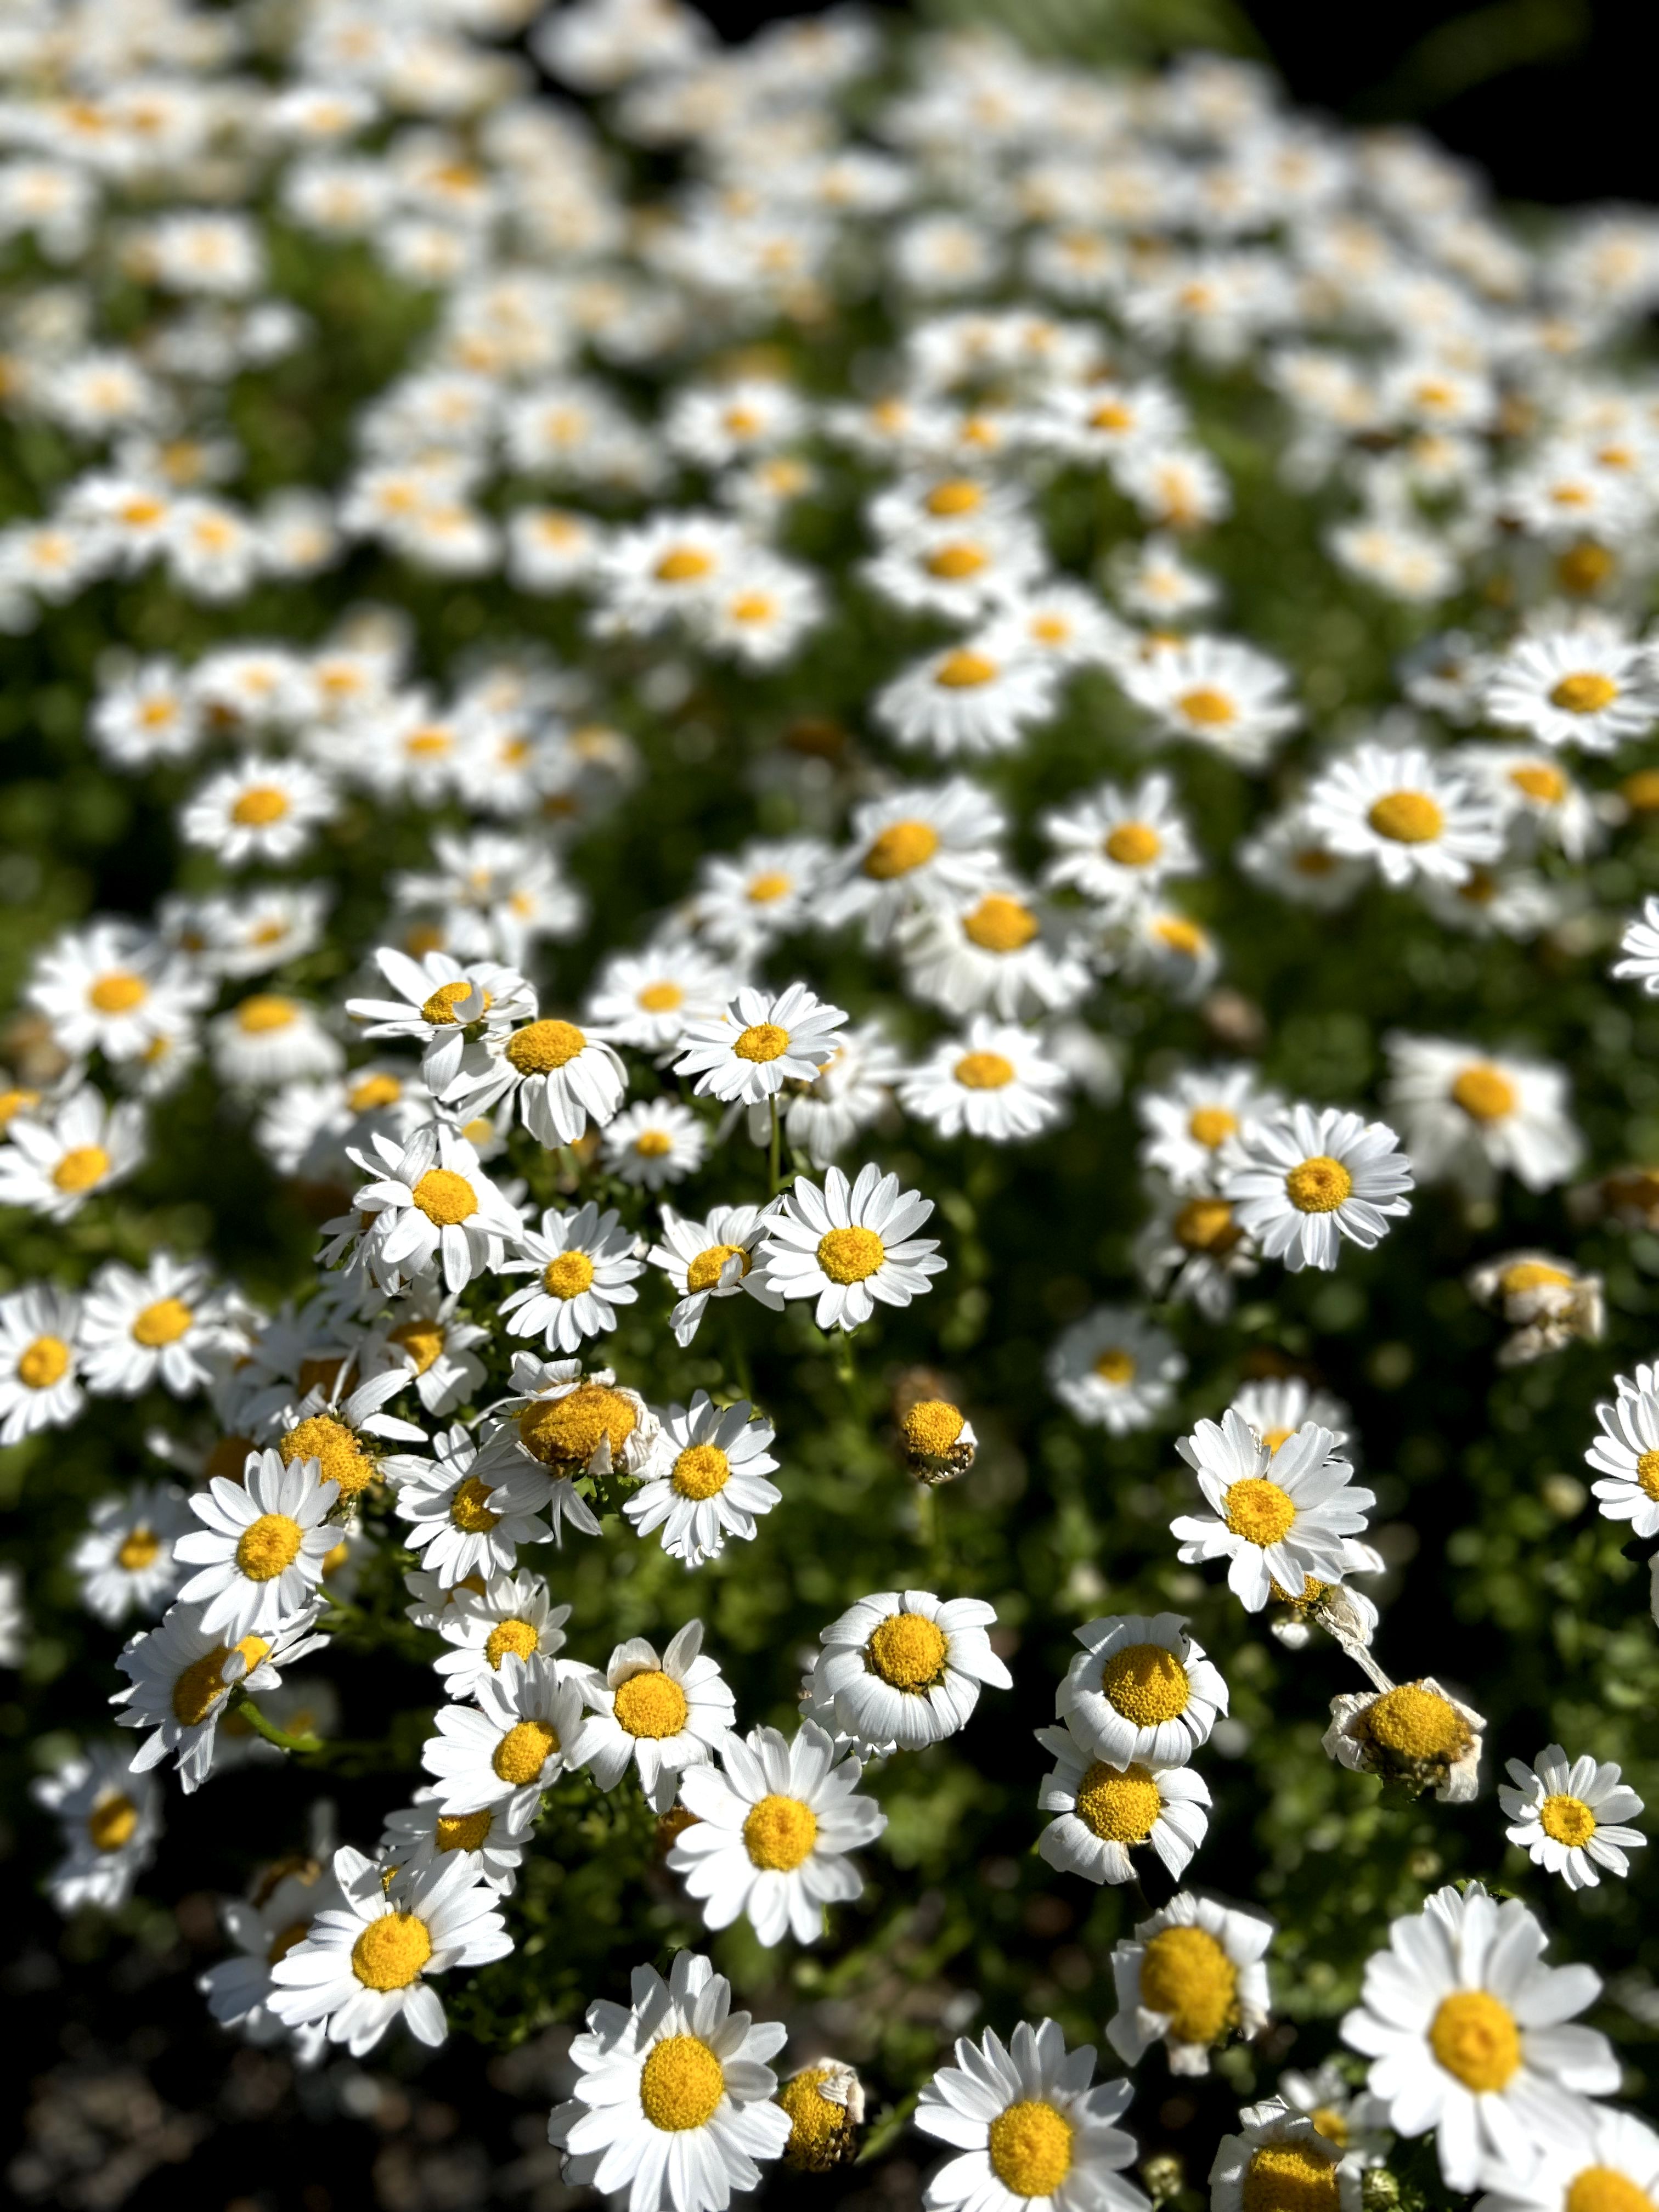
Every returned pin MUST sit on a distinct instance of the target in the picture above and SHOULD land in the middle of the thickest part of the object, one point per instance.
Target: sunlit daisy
(259, 1556)
(850, 1246)
(53, 1162)
(657, 1142)
(585, 1265)
(708, 1479)
(1141, 1691)
(1283, 1517)
(109, 1819)
(511, 1616)
(904, 1668)
(659, 1712)
(1106, 1811)
(1305, 1180)
(179, 1676)
(994, 1081)
(1192, 1976)
(715, 1258)
(519, 1732)
(39, 1362)
(1571, 1819)
(760, 1042)
(1280, 2157)
(1468, 1115)
(1113, 1369)
(1416, 1734)
(1409, 812)
(125, 1562)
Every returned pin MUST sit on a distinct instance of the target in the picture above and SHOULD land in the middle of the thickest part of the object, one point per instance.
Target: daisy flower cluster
(839, 940)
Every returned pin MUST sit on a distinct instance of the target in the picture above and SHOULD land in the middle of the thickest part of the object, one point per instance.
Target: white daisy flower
(916, 845)
(1468, 1115)
(902, 1669)
(125, 1561)
(53, 1162)
(1283, 1517)
(1352, 2119)
(1468, 2032)
(1107, 1811)
(773, 1825)
(1305, 1179)
(1627, 1454)
(657, 1142)
(425, 1340)
(1290, 859)
(1596, 2161)
(511, 1616)
(110, 1820)
(1193, 1976)
(1190, 1122)
(1416, 1734)
(1587, 684)
(1193, 1248)
(659, 1712)
(1217, 693)
(490, 1843)
(345, 1433)
(994, 1081)
(563, 1424)
(167, 1326)
(465, 1518)
(672, 2103)
(179, 1676)
(519, 1734)
(645, 999)
(1116, 847)
(974, 700)
(586, 1265)
(239, 936)
(1640, 946)
(260, 1554)
(744, 902)
(265, 808)
(445, 1005)
(1141, 1692)
(363, 1964)
(759, 1043)
(850, 1246)
(1542, 803)
(713, 1258)
(1276, 1409)
(1113, 1369)
(1280, 2157)
(39, 1361)
(824, 2102)
(1411, 814)
(269, 1038)
(562, 1077)
(265, 1930)
(1570, 1819)
(853, 1091)
(1028, 2128)
(708, 1479)
(999, 951)
(429, 1205)
(113, 988)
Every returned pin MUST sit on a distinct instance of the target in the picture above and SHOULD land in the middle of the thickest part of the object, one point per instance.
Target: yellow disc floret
(1209, 708)
(139, 1549)
(390, 1951)
(1290, 2177)
(1134, 845)
(931, 1428)
(44, 1362)
(422, 1340)
(571, 1427)
(439, 1008)
(999, 924)
(908, 1651)
(681, 2084)
(446, 1197)
(762, 1041)
(1586, 691)
(1604, 2189)
(1406, 817)
(821, 2132)
(337, 1449)
(851, 1256)
(1569, 1820)
(651, 1704)
(1484, 1092)
(82, 1168)
(1030, 2148)
(1259, 1510)
(962, 671)
(567, 1276)
(1475, 2039)
(1119, 1805)
(1186, 1975)
(258, 807)
(269, 1545)
(541, 1046)
(470, 1510)
(701, 1471)
(1115, 1364)
(112, 1822)
(1210, 1126)
(463, 1831)
(523, 1751)
(898, 850)
(779, 1833)
(119, 991)
(265, 1012)
(1417, 1723)
(164, 1323)
(704, 1272)
(516, 1637)
(1146, 1684)
(200, 1685)
(983, 1070)
(1319, 1185)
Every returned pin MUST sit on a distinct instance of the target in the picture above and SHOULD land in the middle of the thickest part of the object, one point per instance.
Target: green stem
(846, 1366)
(241, 1703)
(774, 1155)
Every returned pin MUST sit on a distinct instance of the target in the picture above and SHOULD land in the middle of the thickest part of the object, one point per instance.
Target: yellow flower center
(1120, 1805)
(337, 1449)
(907, 1650)
(820, 2130)
(898, 850)
(850, 1255)
(1640, 792)
(463, 1831)
(651, 1704)
(1187, 1976)
(1290, 2177)
(683, 564)
(1319, 1185)
(569, 1428)
(1146, 1684)
(962, 671)
(779, 1833)
(1205, 1225)
(1406, 817)
(654, 1144)
(523, 1751)
(439, 1008)
(264, 1012)
(704, 1272)
(1331, 2124)
(164, 1323)
(1531, 1275)
(390, 1951)
(1570, 1821)
(951, 563)
(14, 1103)
(470, 1510)
(659, 998)
(43, 1362)
(1209, 708)
(517, 1637)
(956, 495)
(1030, 2148)
(1115, 1365)
(931, 1428)
(1604, 2189)
(119, 991)
(567, 1276)
(1180, 935)
(1540, 781)
(112, 1821)
(81, 1168)
(138, 1549)
(770, 885)
(422, 1340)
(1134, 845)
(446, 1197)
(1475, 2039)
(259, 805)
(983, 1070)
(540, 1047)
(1210, 1126)
(200, 1685)
(681, 2084)
(1585, 692)
(1647, 1473)
(267, 1546)
(372, 1092)
(1259, 1510)
(701, 1471)
(1416, 1724)
(999, 924)
(1484, 1092)
(762, 1041)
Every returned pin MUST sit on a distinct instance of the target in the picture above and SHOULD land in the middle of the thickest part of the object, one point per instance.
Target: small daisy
(1569, 1819)
(743, 903)
(1188, 1123)
(261, 1551)
(1292, 860)
(1280, 2157)
(1000, 950)
(1416, 1734)
(994, 1081)
(1277, 1409)
(825, 2105)
(1283, 1517)
(658, 1712)
(853, 1091)
(1626, 1456)
(361, 1965)
(1409, 812)
(974, 700)
(915, 846)
(850, 1246)
(1194, 1249)
(444, 1003)
(1193, 1976)
(1141, 1691)
(1469, 1115)
(562, 1077)
(512, 1616)
(114, 988)
(1305, 1179)
(266, 808)
(672, 2104)
(1352, 2119)
(563, 1424)
(1542, 804)
(165, 1325)
(773, 1825)
(902, 1669)
(586, 1265)
(1115, 1370)
(759, 1043)
(39, 1362)
(125, 1560)
(518, 1735)
(466, 1519)
(713, 1258)
(425, 1340)
(53, 1164)
(1217, 693)
(1587, 684)
(708, 1479)
(1117, 847)
(657, 1142)
(1596, 2161)
(1640, 946)
(346, 1432)
(269, 1038)
(111, 1820)
(490, 1843)
(1027, 2128)
(179, 1677)
(266, 1928)
(644, 999)
(1469, 2033)
(430, 1204)
(1105, 1812)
